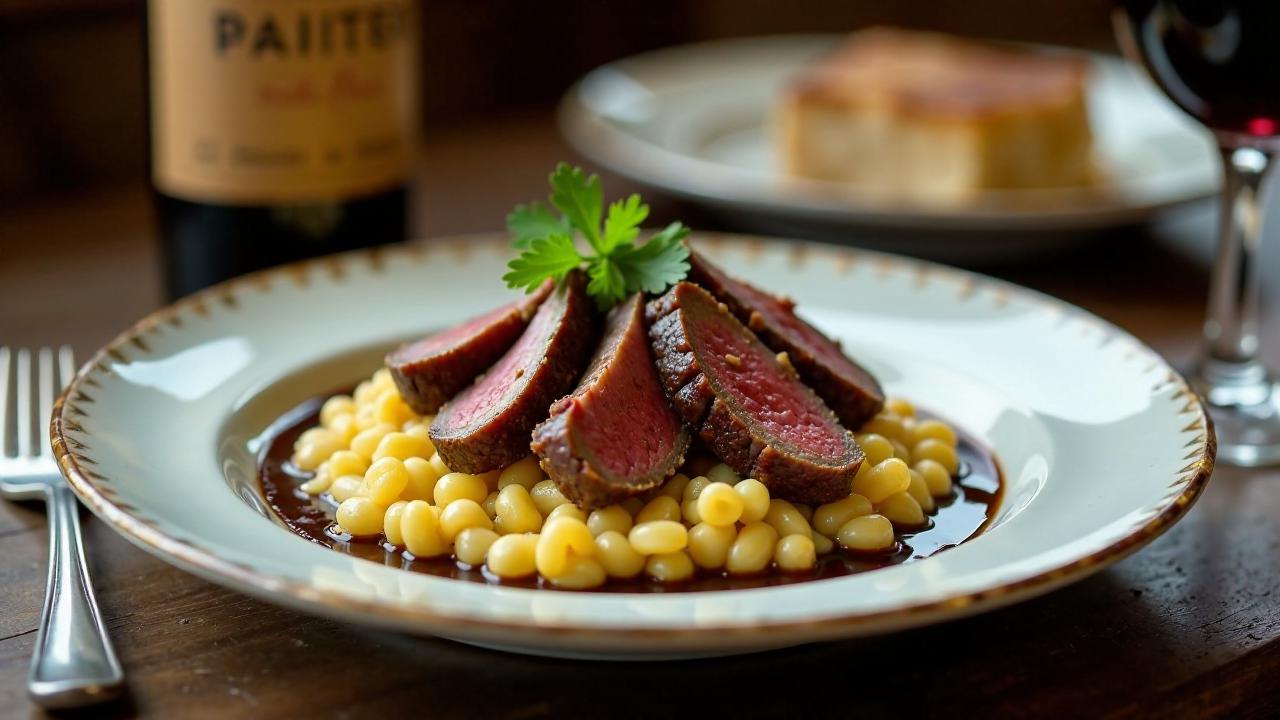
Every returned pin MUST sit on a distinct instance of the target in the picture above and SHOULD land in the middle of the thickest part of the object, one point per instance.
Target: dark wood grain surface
(1187, 627)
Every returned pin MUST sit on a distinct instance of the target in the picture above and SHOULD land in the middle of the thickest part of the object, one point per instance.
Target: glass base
(1244, 401)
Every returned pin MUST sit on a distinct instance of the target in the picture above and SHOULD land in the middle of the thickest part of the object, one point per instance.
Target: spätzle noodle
(867, 532)
(458, 486)
(669, 567)
(755, 500)
(939, 452)
(372, 460)
(752, 549)
(709, 544)
(613, 518)
(421, 530)
(795, 553)
(516, 511)
(659, 508)
(882, 480)
(546, 496)
(658, 537)
(525, 472)
(472, 545)
(512, 556)
(617, 556)
(567, 510)
(828, 518)
(360, 516)
(902, 510)
(935, 477)
(719, 504)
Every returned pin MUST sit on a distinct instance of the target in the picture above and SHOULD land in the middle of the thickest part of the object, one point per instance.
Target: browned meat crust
(488, 425)
(616, 436)
(432, 370)
(847, 388)
(742, 440)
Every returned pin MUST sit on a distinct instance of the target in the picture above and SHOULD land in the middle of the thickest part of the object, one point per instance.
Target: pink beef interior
(500, 383)
(454, 336)
(757, 382)
(779, 315)
(624, 419)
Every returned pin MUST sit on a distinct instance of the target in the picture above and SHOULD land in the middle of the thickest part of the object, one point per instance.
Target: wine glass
(1219, 61)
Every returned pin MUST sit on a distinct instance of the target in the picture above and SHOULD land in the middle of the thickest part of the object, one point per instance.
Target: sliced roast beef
(432, 370)
(746, 402)
(848, 389)
(487, 426)
(616, 436)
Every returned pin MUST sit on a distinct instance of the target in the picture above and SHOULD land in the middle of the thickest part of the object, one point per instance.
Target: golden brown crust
(938, 77)
(902, 117)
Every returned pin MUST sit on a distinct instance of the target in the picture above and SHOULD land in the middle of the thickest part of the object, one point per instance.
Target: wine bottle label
(257, 102)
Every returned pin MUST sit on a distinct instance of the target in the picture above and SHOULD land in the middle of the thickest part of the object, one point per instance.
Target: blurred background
(74, 189)
(73, 96)
(80, 260)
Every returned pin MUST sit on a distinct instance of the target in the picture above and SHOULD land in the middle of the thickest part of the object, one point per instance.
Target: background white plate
(1102, 445)
(694, 121)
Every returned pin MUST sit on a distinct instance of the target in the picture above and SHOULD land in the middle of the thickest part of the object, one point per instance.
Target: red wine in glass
(1219, 60)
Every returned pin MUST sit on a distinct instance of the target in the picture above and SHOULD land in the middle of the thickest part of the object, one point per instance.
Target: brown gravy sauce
(976, 497)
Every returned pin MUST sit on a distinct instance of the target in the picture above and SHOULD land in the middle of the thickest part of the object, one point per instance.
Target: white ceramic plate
(1102, 445)
(694, 121)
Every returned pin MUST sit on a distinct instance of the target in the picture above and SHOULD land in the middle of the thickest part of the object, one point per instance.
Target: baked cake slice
(932, 118)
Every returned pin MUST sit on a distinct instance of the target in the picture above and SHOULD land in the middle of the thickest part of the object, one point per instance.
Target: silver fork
(74, 663)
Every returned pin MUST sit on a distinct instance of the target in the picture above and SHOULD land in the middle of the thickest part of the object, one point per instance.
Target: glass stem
(1231, 366)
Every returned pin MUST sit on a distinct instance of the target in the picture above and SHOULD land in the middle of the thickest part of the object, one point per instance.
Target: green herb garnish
(616, 266)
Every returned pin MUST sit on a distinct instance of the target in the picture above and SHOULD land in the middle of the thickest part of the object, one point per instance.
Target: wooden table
(1188, 627)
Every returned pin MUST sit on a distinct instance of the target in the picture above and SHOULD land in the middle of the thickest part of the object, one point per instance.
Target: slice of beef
(848, 389)
(745, 402)
(488, 425)
(616, 436)
(432, 370)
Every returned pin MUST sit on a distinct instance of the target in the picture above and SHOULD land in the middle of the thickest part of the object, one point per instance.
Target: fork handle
(74, 663)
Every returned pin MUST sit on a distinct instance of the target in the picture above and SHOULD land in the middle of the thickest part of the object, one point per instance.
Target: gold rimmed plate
(1102, 444)
(696, 121)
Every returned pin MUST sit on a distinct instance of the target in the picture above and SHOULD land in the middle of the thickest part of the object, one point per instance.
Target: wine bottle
(279, 130)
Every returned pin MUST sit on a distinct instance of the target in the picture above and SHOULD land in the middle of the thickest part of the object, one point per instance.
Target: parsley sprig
(616, 265)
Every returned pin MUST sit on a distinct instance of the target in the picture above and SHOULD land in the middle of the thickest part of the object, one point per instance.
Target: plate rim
(75, 462)
(594, 137)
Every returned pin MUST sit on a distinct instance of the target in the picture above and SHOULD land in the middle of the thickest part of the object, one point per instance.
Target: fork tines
(27, 397)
